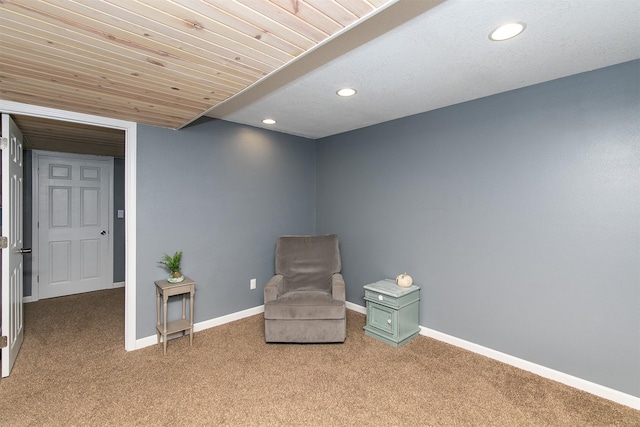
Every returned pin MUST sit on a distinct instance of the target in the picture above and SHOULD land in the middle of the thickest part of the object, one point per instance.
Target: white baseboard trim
(200, 326)
(119, 284)
(28, 299)
(228, 318)
(146, 342)
(356, 307)
(543, 371)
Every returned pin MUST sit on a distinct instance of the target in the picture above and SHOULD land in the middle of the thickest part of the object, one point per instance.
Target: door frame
(35, 214)
(130, 132)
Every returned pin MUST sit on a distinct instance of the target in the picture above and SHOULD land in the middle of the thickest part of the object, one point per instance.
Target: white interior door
(12, 266)
(74, 239)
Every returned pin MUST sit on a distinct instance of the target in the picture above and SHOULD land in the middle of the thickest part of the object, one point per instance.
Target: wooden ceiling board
(77, 131)
(79, 58)
(377, 3)
(104, 109)
(80, 63)
(146, 89)
(55, 82)
(265, 23)
(53, 135)
(287, 19)
(227, 39)
(183, 27)
(169, 91)
(359, 8)
(139, 35)
(139, 50)
(334, 10)
(107, 102)
(250, 31)
(312, 15)
(26, 68)
(158, 39)
(88, 45)
(157, 62)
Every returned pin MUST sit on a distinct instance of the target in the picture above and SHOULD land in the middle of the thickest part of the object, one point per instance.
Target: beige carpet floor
(73, 370)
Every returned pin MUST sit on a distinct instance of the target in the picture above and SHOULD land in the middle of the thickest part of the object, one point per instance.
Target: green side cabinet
(392, 312)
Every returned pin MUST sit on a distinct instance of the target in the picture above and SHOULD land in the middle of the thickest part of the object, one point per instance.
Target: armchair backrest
(307, 262)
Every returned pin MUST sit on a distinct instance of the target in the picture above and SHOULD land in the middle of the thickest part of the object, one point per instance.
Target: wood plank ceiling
(67, 137)
(157, 62)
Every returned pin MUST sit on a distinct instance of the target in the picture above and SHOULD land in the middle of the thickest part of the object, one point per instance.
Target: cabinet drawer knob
(380, 297)
(389, 321)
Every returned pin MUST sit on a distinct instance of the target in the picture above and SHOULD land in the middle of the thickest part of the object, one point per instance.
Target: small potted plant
(172, 263)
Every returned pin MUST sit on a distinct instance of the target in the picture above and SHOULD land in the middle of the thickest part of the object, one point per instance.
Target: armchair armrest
(338, 287)
(273, 288)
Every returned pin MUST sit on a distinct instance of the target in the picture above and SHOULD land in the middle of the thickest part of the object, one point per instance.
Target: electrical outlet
(252, 284)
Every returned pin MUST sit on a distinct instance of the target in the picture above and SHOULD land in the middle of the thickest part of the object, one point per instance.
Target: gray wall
(222, 193)
(517, 214)
(118, 223)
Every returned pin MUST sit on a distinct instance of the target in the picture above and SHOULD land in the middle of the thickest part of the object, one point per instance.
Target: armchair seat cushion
(305, 305)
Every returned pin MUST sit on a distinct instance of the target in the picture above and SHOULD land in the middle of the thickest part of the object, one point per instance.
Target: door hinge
(4, 242)
(3, 342)
(4, 143)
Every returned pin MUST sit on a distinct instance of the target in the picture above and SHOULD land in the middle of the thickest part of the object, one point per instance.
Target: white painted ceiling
(439, 57)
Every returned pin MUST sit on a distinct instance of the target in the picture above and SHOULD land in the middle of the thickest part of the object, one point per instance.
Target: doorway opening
(130, 143)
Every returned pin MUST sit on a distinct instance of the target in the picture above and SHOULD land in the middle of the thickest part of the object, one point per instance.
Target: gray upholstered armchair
(305, 301)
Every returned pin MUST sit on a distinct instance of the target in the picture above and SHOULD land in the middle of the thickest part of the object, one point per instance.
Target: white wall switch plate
(120, 213)
(252, 284)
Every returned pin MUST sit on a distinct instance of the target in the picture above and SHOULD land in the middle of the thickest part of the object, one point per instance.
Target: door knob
(24, 251)
(103, 232)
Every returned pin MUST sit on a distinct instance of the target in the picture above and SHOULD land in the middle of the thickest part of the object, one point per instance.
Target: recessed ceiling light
(507, 31)
(269, 122)
(346, 92)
